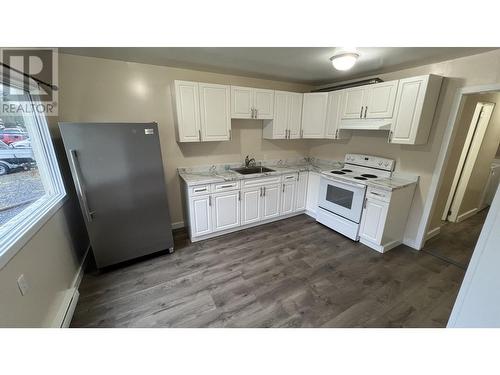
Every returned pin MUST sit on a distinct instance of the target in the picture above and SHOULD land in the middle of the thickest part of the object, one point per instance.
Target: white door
(380, 100)
(294, 114)
(373, 220)
(187, 111)
(241, 102)
(214, 109)
(354, 102)
(226, 210)
(251, 206)
(281, 112)
(201, 218)
(409, 103)
(301, 192)
(271, 201)
(287, 198)
(314, 114)
(264, 104)
(333, 114)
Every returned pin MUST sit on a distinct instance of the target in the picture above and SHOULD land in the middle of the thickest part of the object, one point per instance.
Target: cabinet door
(333, 115)
(200, 215)
(313, 180)
(314, 114)
(226, 210)
(354, 101)
(187, 111)
(281, 113)
(241, 102)
(271, 201)
(214, 110)
(373, 220)
(264, 104)
(380, 100)
(251, 206)
(294, 114)
(409, 102)
(301, 192)
(287, 198)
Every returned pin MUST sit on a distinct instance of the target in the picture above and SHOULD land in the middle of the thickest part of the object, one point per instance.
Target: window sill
(27, 224)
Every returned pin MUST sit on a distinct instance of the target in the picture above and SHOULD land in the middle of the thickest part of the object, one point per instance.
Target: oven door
(342, 198)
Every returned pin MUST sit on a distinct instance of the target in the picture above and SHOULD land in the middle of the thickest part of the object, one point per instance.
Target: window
(31, 188)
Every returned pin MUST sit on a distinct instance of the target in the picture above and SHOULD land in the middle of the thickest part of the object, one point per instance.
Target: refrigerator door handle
(79, 189)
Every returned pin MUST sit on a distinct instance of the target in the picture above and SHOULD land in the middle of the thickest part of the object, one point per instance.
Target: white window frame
(15, 233)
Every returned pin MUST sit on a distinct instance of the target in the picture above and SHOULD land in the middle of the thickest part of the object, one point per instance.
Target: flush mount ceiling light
(344, 58)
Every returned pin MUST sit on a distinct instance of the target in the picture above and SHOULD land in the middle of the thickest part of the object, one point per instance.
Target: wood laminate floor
(290, 273)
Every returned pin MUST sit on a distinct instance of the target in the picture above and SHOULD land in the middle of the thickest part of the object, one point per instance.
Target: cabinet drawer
(381, 195)
(261, 181)
(290, 177)
(199, 189)
(223, 186)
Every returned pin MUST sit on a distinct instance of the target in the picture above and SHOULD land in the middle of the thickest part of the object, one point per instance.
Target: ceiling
(309, 65)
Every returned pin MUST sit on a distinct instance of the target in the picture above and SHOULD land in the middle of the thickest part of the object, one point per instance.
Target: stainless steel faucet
(249, 162)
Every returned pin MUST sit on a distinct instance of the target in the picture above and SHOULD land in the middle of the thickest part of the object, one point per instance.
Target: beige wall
(421, 160)
(95, 89)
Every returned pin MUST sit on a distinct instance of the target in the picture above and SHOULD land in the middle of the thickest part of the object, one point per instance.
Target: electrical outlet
(22, 284)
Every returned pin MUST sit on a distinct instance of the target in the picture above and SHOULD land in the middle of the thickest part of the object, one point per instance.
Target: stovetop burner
(338, 172)
(368, 175)
(360, 178)
(346, 170)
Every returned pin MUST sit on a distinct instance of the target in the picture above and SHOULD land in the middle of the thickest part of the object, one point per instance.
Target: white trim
(466, 215)
(437, 175)
(178, 225)
(432, 233)
(310, 213)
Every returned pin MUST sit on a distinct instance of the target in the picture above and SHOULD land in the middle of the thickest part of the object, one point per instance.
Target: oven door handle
(348, 183)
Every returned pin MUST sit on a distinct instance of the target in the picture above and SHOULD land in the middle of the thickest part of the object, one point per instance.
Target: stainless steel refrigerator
(118, 174)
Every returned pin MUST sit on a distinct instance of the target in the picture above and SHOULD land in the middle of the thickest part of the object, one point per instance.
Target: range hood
(366, 124)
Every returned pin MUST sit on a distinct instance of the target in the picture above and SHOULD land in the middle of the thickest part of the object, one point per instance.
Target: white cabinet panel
(295, 115)
(334, 114)
(287, 198)
(279, 126)
(271, 201)
(263, 104)
(312, 195)
(226, 210)
(251, 206)
(380, 100)
(187, 108)
(373, 220)
(214, 109)
(241, 102)
(200, 215)
(301, 191)
(354, 101)
(314, 114)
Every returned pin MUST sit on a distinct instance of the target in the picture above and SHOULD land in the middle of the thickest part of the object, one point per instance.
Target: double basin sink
(252, 170)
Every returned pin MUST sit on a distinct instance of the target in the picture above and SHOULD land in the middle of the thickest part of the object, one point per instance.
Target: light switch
(22, 284)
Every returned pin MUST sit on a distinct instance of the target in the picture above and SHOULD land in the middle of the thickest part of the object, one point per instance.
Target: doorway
(470, 176)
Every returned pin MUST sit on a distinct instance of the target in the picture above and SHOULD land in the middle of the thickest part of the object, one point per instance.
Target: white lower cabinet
(301, 191)
(288, 197)
(313, 180)
(251, 206)
(373, 220)
(271, 201)
(226, 210)
(200, 215)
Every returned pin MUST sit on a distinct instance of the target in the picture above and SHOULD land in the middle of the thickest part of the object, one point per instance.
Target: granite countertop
(221, 173)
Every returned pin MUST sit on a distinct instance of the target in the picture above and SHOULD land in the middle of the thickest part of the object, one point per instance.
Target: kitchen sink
(252, 170)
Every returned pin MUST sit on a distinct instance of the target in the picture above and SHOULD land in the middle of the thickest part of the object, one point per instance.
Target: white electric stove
(342, 192)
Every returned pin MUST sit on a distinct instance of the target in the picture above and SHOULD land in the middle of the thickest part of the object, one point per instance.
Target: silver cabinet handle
(239, 195)
(261, 192)
(390, 136)
(198, 190)
(283, 188)
(301, 133)
(361, 112)
(230, 134)
(199, 135)
(366, 110)
(264, 191)
(253, 112)
(226, 186)
(256, 113)
(209, 200)
(364, 204)
(79, 188)
(336, 134)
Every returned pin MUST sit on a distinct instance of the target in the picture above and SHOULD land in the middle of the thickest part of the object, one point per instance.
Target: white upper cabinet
(334, 114)
(187, 108)
(370, 102)
(247, 102)
(314, 109)
(241, 102)
(286, 123)
(414, 110)
(380, 100)
(202, 111)
(214, 109)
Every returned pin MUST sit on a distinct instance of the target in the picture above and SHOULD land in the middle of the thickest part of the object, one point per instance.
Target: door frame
(443, 156)
(464, 168)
